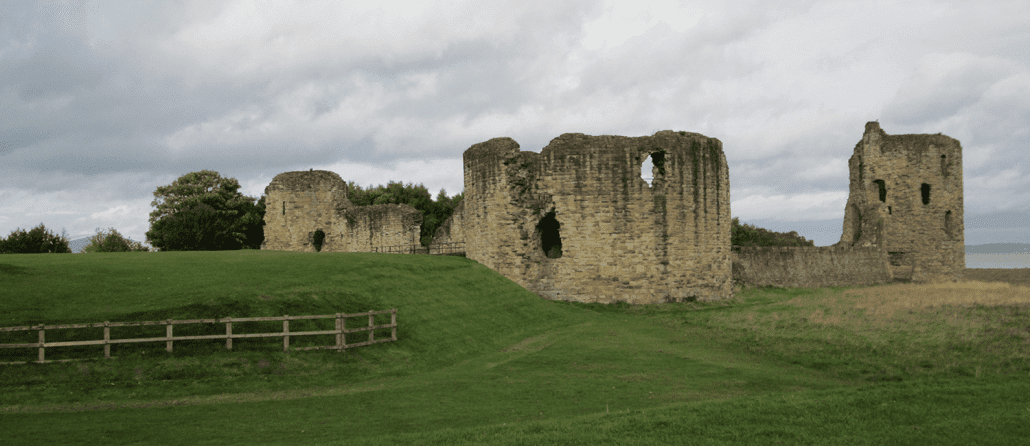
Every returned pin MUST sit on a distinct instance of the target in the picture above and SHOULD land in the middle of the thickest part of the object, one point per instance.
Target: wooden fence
(340, 331)
(437, 249)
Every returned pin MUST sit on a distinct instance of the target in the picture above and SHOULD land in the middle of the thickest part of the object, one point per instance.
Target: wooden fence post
(338, 332)
(228, 333)
(371, 323)
(168, 334)
(393, 321)
(41, 342)
(343, 332)
(286, 333)
(107, 339)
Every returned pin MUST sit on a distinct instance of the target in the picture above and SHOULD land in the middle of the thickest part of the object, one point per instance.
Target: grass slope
(480, 360)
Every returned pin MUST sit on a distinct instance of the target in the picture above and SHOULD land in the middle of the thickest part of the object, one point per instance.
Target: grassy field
(480, 360)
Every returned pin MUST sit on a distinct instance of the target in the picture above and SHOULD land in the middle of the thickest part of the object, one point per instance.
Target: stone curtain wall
(452, 230)
(620, 239)
(906, 197)
(365, 228)
(299, 203)
(810, 267)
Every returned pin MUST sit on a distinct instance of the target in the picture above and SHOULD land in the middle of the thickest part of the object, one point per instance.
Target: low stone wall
(809, 266)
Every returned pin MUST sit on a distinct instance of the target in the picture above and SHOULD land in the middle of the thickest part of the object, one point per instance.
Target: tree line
(203, 211)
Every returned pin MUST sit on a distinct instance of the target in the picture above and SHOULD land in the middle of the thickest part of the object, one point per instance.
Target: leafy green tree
(750, 235)
(200, 228)
(35, 241)
(434, 213)
(112, 241)
(207, 202)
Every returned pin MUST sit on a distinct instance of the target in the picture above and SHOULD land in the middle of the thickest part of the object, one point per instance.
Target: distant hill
(79, 244)
(998, 248)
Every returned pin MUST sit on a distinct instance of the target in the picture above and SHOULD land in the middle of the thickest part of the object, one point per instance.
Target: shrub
(749, 235)
(112, 241)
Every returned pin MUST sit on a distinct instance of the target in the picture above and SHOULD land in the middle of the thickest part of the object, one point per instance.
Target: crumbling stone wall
(906, 198)
(577, 222)
(452, 230)
(809, 266)
(299, 203)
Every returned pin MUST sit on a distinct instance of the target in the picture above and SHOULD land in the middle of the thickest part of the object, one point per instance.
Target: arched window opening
(949, 228)
(883, 190)
(550, 236)
(317, 239)
(647, 171)
(926, 193)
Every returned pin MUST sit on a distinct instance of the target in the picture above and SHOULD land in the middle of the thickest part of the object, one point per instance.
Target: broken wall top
(915, 145)
(307, 180)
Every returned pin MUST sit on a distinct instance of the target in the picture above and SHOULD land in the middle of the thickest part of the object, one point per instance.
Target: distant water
(1008, 260)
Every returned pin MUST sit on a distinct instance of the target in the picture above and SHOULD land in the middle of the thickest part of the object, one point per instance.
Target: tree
(200, 228)
(206, 202)
(434, 213)
(37, 240)
(112, 241)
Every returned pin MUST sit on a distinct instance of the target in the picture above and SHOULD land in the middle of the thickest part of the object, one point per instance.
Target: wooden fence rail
(436, 249)
(340, 331)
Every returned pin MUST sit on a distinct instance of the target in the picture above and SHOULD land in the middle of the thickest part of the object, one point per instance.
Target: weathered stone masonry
(299, 203)
(577, 222)
(903, 221)
(905, 197)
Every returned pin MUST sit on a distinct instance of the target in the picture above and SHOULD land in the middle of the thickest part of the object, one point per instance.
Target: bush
(36, 241)
(749, 235)
(112, 241)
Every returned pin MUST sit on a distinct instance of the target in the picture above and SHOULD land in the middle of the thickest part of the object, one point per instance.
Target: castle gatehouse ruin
(580, 222)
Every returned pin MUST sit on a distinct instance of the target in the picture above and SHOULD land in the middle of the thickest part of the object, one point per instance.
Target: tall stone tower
(905, 197)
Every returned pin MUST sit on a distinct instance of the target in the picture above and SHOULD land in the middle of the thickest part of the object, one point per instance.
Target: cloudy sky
(102, 102)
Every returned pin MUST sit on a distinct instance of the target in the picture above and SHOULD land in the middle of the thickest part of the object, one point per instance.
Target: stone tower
(299, 203)
(577, 222)
(905, 197)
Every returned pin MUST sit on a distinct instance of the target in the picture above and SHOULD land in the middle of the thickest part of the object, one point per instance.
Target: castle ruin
(903, 221)
(905, 197)
(578, 222)
(300, 205)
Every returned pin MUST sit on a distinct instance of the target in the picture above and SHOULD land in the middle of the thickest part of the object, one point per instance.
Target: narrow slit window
(284, 208)
(883, 190)
(926, 193)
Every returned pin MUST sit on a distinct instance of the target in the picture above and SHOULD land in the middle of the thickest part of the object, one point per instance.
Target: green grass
(480, 360)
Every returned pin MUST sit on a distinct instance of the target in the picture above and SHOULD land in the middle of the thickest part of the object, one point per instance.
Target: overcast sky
(102, 102)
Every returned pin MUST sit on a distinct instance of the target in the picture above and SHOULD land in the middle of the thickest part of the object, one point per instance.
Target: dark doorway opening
(317, 239)
(550, 236)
